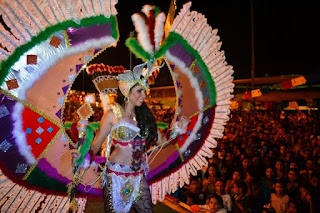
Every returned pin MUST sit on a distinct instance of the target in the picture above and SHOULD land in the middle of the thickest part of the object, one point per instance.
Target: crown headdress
(139, 75)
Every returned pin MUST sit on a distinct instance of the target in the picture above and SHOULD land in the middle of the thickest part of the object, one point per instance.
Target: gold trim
(192, 64)
(176, 89)
(178, 149)
(66, 38)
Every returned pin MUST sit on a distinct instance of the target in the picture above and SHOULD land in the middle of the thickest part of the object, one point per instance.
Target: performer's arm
(179, 128)
(104, 130)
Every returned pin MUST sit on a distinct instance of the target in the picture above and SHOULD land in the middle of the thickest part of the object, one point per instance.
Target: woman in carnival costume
(131, 127)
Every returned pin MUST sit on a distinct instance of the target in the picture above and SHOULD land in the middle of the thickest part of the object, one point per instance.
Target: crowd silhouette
(267, 161)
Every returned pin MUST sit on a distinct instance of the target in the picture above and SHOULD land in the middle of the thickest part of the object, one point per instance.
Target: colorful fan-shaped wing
(203, 83)
(44, 44)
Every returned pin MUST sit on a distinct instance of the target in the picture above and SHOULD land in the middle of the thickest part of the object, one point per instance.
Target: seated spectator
(279, 170)
(279, 199)
(293, 183)
(236, 177)
(192, 191)
(292, 207)
(209, 180)
(215, 205)
(306, 201)
(219, 186)
(267, 184)
(241, 202)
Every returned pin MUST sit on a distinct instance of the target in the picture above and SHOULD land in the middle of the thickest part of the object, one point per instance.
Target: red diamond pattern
(38, 142)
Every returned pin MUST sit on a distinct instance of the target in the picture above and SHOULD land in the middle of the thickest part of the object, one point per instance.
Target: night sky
(286, 34)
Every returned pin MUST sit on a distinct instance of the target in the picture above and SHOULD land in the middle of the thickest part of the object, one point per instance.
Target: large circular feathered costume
(43, 48)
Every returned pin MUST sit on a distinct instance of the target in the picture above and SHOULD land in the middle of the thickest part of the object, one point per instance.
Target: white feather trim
(196, 86)
(142, 30)
(20, 135)
(146, 9)
(159, 29)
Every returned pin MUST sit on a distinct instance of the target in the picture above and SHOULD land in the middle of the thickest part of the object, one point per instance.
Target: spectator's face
(211, 171)
(269, 173)
(314, 181)
(214, 205)
(248, 177)
(292, 176)
(292, 208)
(282, 150)
(236, 176)
(279, 188)
(309, 164)
(293, 165)
(303, 192)
(235, 189)
(279, 165)
(246, 163)
(219, 187)
(288, 157)
(193, 186)
(189, 201)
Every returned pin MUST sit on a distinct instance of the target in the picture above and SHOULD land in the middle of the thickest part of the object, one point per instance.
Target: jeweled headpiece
(139, 75)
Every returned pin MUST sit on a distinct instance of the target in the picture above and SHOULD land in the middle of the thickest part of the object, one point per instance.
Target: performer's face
(137, 95)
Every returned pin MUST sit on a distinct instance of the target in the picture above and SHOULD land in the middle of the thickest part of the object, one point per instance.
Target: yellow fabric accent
(117, 111)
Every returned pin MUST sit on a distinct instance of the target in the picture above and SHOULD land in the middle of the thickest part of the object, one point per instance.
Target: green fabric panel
(39, 178)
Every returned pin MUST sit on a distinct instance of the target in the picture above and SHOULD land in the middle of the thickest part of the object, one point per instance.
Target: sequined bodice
(124, 131)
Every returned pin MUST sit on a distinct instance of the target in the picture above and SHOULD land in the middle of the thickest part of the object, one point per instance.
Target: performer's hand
(75, 157)
(182, 124)
(81, 127)
(85, 163)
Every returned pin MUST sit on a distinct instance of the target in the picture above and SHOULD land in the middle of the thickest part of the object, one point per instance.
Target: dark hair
(145, 119)
(243, 186)
(218, 198)
(206, 175)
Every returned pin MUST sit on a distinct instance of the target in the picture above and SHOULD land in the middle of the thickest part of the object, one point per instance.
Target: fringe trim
(204, 41)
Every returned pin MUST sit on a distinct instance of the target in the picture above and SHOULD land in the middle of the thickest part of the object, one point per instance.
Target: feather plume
(159, 30)
(142, 30)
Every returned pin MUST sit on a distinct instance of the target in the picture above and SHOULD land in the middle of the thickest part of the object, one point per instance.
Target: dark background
(286, 35)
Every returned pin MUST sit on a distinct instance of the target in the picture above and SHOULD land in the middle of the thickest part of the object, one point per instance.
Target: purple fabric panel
(91, 191)
(78, 67)
(11, 157)
(58, 113)
(163, 166)
(204, 130)
(65, 89)
(172, 66)
(52, 172)
(78, 36)
(181, 53)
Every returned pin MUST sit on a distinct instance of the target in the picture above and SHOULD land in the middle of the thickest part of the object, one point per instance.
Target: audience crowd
(267, 161)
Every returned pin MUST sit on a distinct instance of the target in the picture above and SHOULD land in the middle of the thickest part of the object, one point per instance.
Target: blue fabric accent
(50, 129)
(28, 130)
(40, 120)
(39, 140)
